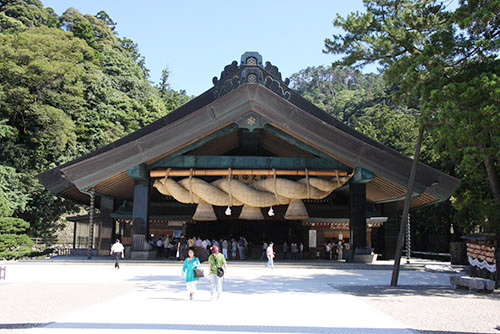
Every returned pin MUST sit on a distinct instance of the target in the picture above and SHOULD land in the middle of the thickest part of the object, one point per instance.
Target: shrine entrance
(247, 157)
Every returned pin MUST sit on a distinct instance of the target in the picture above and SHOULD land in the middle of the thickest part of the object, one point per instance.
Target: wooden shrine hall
(247, 157)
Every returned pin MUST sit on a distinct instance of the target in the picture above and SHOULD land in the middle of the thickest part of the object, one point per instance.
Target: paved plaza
(151, 298)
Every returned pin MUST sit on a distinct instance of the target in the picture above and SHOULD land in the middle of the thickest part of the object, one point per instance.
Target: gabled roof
(247, 90)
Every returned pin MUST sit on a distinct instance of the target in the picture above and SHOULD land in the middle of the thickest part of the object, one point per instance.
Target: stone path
(152, 299)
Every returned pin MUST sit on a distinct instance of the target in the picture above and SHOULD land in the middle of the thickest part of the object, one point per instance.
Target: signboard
(176, 222)
(312, 238)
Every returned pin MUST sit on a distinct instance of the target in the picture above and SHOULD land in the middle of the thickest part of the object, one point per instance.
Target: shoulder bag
(220, 270)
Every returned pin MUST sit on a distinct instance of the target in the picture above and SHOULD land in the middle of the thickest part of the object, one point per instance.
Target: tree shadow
(310, 283)
(414, 290)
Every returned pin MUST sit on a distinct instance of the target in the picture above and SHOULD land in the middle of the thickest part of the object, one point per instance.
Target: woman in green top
(190, 263)
(216, 260)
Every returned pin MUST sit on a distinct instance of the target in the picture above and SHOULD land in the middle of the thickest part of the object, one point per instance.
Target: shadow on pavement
(414, 290)
(313, 283)
(219, 328)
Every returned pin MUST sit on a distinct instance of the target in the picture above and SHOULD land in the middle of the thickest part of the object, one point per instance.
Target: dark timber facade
(249, 119)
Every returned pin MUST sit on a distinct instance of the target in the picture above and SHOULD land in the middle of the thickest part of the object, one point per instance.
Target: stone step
(473, 283)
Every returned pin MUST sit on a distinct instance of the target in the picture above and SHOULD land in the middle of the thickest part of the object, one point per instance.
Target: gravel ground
(31, 304)
(434, 309)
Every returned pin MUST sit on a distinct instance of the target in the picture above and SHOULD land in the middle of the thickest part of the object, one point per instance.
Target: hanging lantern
(204, 212)
(296, 210)
(270, 212)
(251, 213)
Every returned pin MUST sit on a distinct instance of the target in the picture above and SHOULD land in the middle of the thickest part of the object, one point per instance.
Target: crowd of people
(168, 247)
(334, 250)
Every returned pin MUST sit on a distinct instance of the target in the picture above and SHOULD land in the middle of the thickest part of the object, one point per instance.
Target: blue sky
(196, 39)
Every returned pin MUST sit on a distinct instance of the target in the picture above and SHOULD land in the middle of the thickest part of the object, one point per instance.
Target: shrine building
(249, 157)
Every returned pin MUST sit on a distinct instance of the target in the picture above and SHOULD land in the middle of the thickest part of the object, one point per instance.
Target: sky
(196, 39)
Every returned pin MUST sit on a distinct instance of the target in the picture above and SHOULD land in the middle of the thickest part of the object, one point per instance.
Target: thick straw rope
(262, 193)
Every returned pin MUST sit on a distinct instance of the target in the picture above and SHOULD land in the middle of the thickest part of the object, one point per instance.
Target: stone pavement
(152, 299)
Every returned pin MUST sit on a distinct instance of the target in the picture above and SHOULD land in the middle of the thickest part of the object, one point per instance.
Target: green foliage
(12, 188)
(14, 243)
(132, 49)
(10, 24)
(93, 30)
(29, 12)
(68, 86)
(41, 72)
(362, 101)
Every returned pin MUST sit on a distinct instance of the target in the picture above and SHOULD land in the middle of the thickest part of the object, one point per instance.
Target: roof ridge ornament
(252, 71)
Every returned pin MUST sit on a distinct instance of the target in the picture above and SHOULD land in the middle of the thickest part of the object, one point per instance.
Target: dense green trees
(445, 62)
(68, 85)
(362, 101)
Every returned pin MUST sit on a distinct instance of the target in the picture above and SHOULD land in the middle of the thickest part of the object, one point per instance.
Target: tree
(104, 17)
(164, 86)
(426, 51)
(29, 12)
(133, 50)
(93, 30)
(14, 242)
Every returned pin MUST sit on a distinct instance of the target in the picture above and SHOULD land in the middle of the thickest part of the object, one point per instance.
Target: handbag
(198, 272)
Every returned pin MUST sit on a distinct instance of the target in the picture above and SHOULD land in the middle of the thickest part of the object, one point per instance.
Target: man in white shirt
(117, 249)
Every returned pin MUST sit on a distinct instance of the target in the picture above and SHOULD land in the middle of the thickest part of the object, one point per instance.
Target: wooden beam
(361, 175)
(217, 134)
(225, 172)
(248, 162)
(138, 172)
(302, 145)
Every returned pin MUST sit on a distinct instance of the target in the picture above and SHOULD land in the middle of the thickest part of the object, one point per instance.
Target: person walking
(216, 261)
(190, 264)
(329, 249)
(285, 250)
(264, 251)
(241, 248)
(294, 250)
(225, 245)
(340, 250)
(117, 249)
(234, 247)
(270, 255)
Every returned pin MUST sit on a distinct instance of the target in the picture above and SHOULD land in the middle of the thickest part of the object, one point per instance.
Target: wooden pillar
(358, 238)
(90, 245)
(390, 230)
(106, 226)
(74, 235)
(140, 247)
